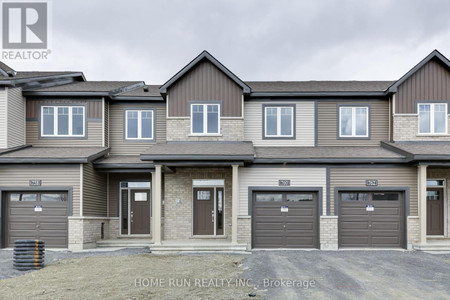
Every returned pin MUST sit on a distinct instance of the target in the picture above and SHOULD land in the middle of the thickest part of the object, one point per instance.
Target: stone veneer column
(422, 195)
(234, 204)
(156, 205)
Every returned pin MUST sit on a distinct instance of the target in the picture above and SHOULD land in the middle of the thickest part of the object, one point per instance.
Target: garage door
(371, 219)
(37, 216)
(285, 220)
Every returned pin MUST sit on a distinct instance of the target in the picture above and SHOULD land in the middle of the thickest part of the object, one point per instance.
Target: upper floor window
(139, 124)
(354, 121)
(433, 118)
(279, 121)
(63, 121)
(205, 118)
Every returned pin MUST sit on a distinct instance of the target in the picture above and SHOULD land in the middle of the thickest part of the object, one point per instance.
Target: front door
(435, 211)
(204, 211)
(140, 211)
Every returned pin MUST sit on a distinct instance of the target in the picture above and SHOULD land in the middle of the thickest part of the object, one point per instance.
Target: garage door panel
(22, 220)
(382, 227)
(355, 225)
(296, 228)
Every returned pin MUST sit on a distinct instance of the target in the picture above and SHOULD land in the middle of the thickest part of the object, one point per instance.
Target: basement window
(63, 121)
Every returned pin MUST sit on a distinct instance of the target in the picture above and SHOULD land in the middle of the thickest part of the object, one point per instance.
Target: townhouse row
(207, 158)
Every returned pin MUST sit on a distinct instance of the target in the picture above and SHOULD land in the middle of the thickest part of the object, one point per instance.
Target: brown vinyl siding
(3, 117)
(16, 118)
(94, 107)
(94, 192)
(93, 138)
(387, 177)
(51, 176)
(328, 127)
(114, 188)
(117, 142)
(431, 82)
(106, 124)
(205, 82)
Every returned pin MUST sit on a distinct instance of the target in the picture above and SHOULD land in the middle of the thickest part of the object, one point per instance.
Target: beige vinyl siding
(304, 124)
(387, 177)
(93, 139)
(114, 188)
(3, 119)
(431, 82)
(51, 176)
(94, 192)
(268, 177)
(328, 127)
(106, 124)
(16, 118)
(117, 128)
(205, 82)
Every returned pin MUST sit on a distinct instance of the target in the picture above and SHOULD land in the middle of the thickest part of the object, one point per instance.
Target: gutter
(197, 157)
(317, 94)
(14, 82)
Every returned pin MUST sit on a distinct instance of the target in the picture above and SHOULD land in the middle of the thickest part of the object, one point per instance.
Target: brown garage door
(40, 215)
(371, 219)
(285, 220)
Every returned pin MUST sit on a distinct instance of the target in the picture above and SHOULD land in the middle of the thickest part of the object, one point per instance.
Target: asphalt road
(350, 274)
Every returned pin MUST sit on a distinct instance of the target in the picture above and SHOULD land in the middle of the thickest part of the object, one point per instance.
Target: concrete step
(123, 243)
(197, 248)
(433, 247)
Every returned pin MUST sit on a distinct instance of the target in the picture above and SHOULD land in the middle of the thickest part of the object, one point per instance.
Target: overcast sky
(257, 40)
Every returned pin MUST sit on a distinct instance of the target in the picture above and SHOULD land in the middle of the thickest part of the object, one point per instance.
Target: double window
(432, 118)
(139, 124)
(205, 119)
(63, 121)
(354, 121)
(279, 121)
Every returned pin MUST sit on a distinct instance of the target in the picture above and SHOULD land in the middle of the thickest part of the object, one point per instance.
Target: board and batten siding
(328, 126)
(268, 177)
(304, 124)
(387, 177)
(18, 176)
(431, 82)
(117, 142)
(16, 118)
(3, 119)
(94, 192)
(205, 82)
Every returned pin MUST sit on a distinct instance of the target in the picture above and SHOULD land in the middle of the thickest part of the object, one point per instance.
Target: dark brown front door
(435, 211)
(140, 212)
(203, 211)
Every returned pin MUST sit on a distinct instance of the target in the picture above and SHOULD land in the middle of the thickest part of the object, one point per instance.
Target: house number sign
(371, 182)
(284, 182)
(36, 182)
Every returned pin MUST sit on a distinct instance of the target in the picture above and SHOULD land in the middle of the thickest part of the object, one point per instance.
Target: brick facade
(84, 232)
(406, 128)
(178, 206)
(230, 130)
(413, 231)
(245, 230)
(328, 232)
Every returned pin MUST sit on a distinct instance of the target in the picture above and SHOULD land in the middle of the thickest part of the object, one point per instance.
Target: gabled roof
(436, 55)
(204, 55)
(420, 151)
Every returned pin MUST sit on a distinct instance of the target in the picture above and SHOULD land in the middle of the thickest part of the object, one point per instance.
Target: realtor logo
(25, 25)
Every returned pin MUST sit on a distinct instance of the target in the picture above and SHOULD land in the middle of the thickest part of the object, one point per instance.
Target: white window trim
(139, 137)
(354, 135)
(278, 135)
(55, 121)
(205, 120)
(432, 119)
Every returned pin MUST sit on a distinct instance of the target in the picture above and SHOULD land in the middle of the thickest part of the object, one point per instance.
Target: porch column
(422, 195)
(235, 204)
(156, 205)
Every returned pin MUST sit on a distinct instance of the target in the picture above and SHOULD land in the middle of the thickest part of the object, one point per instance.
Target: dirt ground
(143, 276)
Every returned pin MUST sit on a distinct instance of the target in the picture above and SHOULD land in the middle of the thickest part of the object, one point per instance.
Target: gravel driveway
(350, 274)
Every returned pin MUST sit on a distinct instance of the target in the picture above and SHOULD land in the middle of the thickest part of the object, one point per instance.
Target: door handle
(131, 217)
(212, 216)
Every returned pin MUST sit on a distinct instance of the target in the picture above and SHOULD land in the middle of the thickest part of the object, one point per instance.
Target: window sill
(206, 135)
